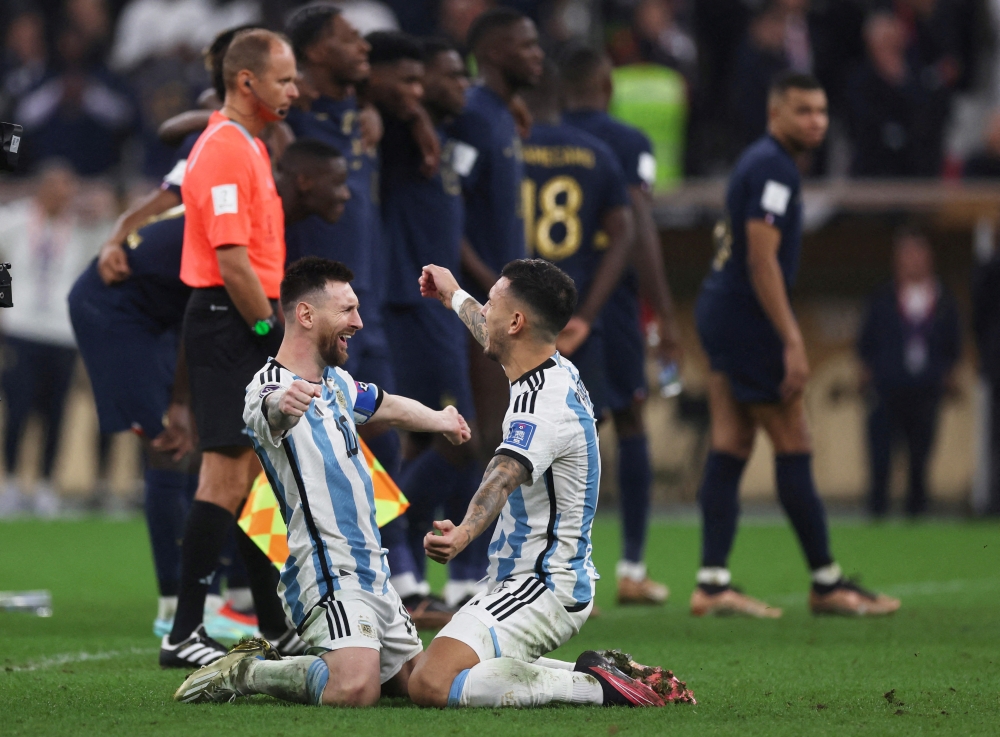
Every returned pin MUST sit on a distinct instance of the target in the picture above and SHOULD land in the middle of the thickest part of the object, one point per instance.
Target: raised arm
(436, 282)
(503, 475)
(285, 407)
(412, 416)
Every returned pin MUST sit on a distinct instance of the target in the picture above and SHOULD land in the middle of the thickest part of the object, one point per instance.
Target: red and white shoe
(619, 689)
(670, 688)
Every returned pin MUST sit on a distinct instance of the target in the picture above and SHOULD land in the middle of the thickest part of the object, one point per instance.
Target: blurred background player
(422, 218)
(233, 258)
(129, 332)
(758, 361)
(910, 340)
(508, 59)
(587, 88)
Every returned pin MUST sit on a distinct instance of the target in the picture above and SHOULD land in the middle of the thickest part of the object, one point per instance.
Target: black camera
(11, 134)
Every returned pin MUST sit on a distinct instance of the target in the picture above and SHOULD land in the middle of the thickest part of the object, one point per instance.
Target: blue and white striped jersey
(323, 486)
(544, 528)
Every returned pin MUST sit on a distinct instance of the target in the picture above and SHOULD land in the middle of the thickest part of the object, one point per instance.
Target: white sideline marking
(70, 658)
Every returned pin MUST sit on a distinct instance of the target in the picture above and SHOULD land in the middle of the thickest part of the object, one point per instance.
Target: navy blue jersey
(765, 185)
(572, 181)
(489, 162)
(175, 177)
(421, 218)
(630, 145)
(351, 239)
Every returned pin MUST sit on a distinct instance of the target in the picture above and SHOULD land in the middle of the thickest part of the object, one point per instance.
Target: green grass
(91, 668)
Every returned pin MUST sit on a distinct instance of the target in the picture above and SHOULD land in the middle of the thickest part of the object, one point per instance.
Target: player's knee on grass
(432, 678)
(353, 681)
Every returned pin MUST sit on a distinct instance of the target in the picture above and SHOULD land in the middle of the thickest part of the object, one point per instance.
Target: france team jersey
(572, 181)
(544, 528)
(324, 488)
(765, 185)
(351, 239)
(489, 162)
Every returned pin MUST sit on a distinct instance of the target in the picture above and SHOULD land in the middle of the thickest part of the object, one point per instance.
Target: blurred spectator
(48, 241)
(985, 163)
(368, 15)
(909, 345)
(456, 18)
(760, 57)
(657, 37)
(91, 19)
(986, 326)
(24, 59)
(798, 45)
(81, 114)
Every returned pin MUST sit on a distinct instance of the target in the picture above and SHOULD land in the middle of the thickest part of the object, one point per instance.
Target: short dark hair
(303, 151)
(791, 80)
(435, 46)
(578, 63)
(388, 47)
(305, 25)
(492, 20)
(310, 274)
(545, 288)
(216, 52)
(249, 50)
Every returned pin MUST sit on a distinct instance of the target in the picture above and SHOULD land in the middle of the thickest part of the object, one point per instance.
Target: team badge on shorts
(366, 629)
(520, 434)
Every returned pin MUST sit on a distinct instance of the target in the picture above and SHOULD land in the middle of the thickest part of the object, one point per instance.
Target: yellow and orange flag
(261, 520)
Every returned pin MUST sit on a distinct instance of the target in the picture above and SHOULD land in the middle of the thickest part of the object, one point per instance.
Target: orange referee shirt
(230, 200)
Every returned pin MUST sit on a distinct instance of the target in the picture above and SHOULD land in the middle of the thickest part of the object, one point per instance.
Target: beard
(493, 350)
(332, 351)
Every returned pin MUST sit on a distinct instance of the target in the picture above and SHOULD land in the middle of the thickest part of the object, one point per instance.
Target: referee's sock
(635, 476)
(263, 576)
(797, 494)
(164, 506)
(205, 536)
(720, 507)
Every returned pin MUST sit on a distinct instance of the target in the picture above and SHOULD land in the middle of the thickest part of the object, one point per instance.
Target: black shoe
(428, 612)
(619, 689)
(290, 643)
(197, 650)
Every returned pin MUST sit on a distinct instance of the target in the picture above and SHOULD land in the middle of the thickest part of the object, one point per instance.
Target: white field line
(71, 658)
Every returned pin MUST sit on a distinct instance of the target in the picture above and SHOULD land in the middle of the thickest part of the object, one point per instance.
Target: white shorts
(361, 619)
(520, 618)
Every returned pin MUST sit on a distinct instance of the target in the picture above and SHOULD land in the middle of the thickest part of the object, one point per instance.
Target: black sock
(797, 495)
(720, 507)
(712, 589)
(204, 538)
(263, 578)
(821, 588)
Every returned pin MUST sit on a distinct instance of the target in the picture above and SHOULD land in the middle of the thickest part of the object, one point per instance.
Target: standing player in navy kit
(758, 360)
(509, 58)
(586, 82)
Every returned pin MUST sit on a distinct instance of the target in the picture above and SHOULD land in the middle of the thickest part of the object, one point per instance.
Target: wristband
(458, 299)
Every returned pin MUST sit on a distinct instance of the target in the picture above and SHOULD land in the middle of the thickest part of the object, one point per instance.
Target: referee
(233, 257)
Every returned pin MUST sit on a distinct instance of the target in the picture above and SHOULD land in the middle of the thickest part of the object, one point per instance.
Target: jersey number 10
(552, 226)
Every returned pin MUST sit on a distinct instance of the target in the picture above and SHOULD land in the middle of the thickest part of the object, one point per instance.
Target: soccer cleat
(230, 624)
(619, 689)
(664, 682)
(730, 601)
(428, 612)
(197, 650)
(849, 599)
(290, 643)
(646, 591)
(224, 679)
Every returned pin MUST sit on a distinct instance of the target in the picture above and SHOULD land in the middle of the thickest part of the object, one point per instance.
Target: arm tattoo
(471, 315)
(503, 475)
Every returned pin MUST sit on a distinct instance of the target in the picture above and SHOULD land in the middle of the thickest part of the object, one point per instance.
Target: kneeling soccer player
(302, 411)
(543, 484)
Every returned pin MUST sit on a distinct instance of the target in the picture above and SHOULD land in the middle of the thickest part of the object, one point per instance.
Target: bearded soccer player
(758, 361)
(303, 410)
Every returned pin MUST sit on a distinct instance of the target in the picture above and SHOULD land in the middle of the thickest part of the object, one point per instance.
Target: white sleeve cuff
(458, 299)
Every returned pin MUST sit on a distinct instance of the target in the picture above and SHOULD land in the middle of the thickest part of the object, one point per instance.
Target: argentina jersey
(544, 528)
(324, 489)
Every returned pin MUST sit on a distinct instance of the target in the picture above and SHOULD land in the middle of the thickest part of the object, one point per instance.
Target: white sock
(632, 571)
(510, 682)
(240, 599)
(553, 663)
(456, 591)
(827, 575)
(166, 608)
(301, 679)
(714, 576)
(406, 584)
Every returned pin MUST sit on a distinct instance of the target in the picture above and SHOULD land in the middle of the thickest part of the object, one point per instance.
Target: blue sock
(797, 494)
(720, 507)
(427, 483)
(635, 476)
(471, 563)
(388, 449)
(316, 678)
(166, 511)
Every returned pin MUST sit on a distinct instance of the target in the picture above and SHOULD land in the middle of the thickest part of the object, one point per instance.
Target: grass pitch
(933, 667)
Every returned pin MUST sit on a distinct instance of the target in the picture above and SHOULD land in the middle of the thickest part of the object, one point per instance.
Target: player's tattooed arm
(503, 476)
(471, 313)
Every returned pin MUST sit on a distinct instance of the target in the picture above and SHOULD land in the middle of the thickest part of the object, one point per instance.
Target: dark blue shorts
(589, 360)
(430, 356)
(742, 343)
(130, 362)
(625, 350)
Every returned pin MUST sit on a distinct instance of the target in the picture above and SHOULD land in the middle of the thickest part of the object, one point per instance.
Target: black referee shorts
(223, 354)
